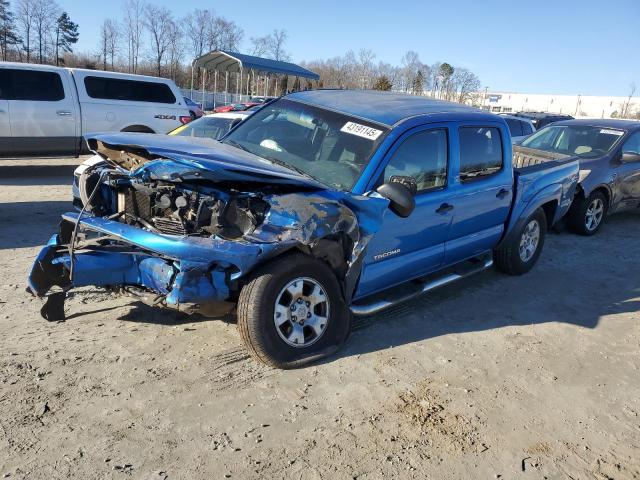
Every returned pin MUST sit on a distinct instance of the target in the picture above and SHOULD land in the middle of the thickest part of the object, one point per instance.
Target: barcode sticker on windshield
(606, 131)
(361, 130)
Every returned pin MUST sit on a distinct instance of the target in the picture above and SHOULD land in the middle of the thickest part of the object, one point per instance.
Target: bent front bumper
(180, 272)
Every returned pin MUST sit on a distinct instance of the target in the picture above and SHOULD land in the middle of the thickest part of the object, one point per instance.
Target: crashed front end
(182, 233)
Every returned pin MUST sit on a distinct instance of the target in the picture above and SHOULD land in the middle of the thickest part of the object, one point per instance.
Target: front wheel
(522, 253)
(586, 215)
(292, 312)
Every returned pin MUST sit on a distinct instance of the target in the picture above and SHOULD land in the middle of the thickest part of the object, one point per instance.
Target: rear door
(42, 112)
(481, 192)
(5, 125)
(406, 248)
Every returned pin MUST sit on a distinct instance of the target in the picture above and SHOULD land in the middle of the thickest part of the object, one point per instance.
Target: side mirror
(629, 157)
(401, 199)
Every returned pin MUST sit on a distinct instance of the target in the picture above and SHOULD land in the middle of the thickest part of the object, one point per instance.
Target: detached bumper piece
(182, 273)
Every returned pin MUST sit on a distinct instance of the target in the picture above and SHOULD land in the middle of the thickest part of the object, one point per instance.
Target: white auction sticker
(361, 130)
(611, 132)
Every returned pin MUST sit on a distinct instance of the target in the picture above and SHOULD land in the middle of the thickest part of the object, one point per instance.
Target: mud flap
(53, 308)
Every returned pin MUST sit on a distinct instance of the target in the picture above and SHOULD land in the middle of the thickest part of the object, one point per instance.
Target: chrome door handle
(63, 113)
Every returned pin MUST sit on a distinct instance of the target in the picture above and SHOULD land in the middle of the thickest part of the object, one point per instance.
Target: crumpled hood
(192, 158)
(525, 157)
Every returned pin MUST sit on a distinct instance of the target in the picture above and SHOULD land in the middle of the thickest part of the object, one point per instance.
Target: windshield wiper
(237, 145)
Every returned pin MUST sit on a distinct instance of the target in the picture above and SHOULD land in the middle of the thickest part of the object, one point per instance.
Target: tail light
(185, 119)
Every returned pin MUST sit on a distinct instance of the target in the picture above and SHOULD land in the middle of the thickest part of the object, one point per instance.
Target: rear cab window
(480, 152)
(515, 127)
(31, 85)
(106, 88)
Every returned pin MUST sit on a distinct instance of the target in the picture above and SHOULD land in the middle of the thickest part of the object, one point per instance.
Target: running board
(380, 303)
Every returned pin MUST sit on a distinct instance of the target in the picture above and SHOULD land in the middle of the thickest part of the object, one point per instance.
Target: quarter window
(480, 152)
(423, 158)
(128, 90)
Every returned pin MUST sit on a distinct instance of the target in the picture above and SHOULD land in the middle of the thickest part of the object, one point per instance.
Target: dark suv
(540, 119)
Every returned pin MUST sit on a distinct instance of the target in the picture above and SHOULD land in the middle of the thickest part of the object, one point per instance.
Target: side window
(36, 85)
(422, 156)
(515, 127)
(526, 128)
(128, 90)
(480, 152)
(5, 84)
(632, 145)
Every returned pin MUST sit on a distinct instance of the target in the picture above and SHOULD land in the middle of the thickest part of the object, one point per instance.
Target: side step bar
(380, 302)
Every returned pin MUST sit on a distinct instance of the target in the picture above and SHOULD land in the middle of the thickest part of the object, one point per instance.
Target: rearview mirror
(630, 157)
(401, 201)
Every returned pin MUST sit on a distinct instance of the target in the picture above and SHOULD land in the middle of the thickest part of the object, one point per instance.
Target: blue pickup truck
(322, 205)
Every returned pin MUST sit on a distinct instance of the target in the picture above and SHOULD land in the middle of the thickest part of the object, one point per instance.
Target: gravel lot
(495, 377)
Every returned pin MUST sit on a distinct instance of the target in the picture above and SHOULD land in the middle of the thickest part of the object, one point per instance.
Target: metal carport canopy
(224, 61)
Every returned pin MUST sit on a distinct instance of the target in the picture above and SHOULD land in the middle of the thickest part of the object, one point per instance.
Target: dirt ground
(495, 377)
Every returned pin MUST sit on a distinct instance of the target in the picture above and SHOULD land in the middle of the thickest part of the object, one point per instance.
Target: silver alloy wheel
(529, 240)
(594, 214)
(301, 312)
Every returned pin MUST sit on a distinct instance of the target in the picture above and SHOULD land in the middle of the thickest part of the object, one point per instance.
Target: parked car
(213, 127)
(540, 119)
(45, 110)
(195, 109)
(321, 205)
(520, 128)
(232, 107)
(609, 155)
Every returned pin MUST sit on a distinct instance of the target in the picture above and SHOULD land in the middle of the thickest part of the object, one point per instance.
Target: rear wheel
(292, 312)
(587, 214)
(522, 253)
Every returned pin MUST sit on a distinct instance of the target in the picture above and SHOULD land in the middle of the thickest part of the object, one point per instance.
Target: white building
(575, 105)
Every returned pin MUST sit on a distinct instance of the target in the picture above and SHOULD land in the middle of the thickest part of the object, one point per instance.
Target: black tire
(508, 258)
(577, 215)
(257, 305)
(192, 114)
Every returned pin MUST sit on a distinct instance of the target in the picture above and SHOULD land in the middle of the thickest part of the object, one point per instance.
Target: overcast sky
(584, 47)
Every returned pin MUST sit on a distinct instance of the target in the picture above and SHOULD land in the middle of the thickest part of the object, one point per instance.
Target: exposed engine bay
(169, 207)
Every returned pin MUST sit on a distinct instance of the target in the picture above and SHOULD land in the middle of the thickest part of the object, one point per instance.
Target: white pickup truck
(45, 110)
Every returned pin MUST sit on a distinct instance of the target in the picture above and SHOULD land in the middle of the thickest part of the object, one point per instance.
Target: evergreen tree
(383, 83)
(8, 34)
(418, 83)
(66, 35)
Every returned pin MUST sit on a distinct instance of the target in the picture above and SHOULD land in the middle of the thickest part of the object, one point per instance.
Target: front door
(43, 113)
(406, 248)
(5, 124)
(628, 176)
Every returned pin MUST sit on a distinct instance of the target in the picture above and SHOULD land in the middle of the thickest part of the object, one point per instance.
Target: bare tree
(626, 106)
(466, 84)
(109, 34)
(45, 13)
(196, 27)
(365, 67)
(25, 16)
(133, 29)
(176, 49)
(277, 39)
(159, 23)
(224, 34)
(260, 45)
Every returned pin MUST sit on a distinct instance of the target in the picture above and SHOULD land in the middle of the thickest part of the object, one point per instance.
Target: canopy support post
(215, 87)
(204, 71)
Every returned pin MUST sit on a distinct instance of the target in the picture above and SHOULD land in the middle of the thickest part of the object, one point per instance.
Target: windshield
(330, 147)
(585, 141)
(206, 127)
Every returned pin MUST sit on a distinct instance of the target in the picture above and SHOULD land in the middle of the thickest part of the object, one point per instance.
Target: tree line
(360, 70)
